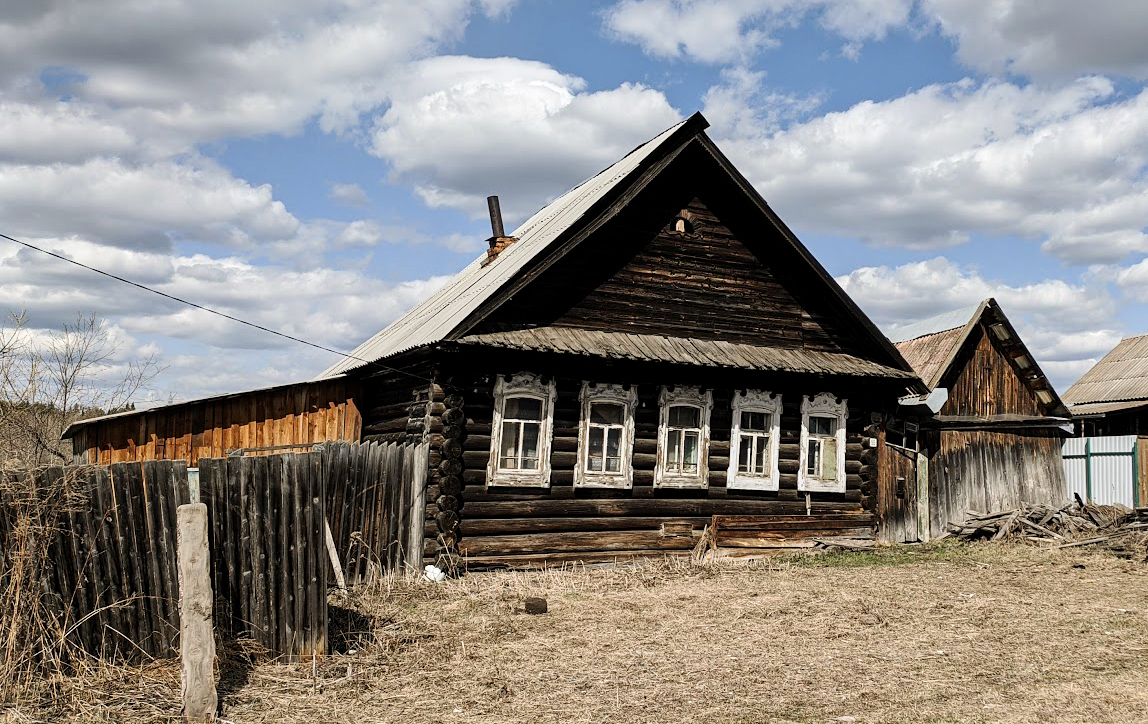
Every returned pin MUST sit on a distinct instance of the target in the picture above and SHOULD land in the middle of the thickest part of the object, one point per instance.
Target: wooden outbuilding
(989, 434)
(651, 354)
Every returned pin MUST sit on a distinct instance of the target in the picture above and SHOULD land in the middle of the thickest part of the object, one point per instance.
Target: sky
(319, 166)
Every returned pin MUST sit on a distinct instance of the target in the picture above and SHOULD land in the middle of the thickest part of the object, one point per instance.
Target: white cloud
(139, 205)
(350, 195)
(215, 68)
(1066, 166)
(1048, 38)
(724, 31)
(1063, 325)
(461, 129)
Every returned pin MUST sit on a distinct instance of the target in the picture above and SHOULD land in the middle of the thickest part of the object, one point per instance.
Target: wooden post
(333, 554)
(197, 637)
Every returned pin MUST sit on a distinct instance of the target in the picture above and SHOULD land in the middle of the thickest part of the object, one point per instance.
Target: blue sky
(318, 167)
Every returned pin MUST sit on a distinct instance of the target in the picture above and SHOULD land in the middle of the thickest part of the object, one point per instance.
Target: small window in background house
(821, 460)
(911, 435)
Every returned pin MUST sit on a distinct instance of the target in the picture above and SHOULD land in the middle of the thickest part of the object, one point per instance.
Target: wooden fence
(113, 579)
(376, 501)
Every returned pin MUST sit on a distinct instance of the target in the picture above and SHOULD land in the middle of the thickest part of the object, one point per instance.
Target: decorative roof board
(683, 350)
(1122, 374)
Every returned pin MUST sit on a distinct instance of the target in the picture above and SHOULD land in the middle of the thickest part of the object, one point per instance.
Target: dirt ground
(951, 633)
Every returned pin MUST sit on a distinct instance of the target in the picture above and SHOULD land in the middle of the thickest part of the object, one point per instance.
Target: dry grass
(955, 633)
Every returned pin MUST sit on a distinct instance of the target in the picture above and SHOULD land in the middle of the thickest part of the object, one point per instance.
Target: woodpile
(1121, 529)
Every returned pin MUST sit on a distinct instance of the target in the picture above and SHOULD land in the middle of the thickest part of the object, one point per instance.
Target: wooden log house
(994, 441)
(651, 353)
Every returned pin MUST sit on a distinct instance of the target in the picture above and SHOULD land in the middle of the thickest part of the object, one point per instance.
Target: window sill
(677, 482)
(813, 485)
(505, 480)
(607, 482)
(745, 483)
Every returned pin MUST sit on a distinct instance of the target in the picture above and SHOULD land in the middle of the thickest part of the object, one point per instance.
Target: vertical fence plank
(246, 466)
(258, 559)
(286, 636)
(299, 554)
(132, 482)
(128, 593)
(270, 493)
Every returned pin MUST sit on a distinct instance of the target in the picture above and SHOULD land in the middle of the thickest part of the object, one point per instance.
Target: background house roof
(1121, 375)
(932, 346)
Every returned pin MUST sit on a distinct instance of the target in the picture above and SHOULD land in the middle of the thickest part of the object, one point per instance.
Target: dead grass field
(954, 633)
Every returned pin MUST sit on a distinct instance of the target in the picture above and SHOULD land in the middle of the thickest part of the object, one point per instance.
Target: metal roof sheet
(438, 316)
(955, 319)
(1088, 409)
(683, 350)
(1121, 375)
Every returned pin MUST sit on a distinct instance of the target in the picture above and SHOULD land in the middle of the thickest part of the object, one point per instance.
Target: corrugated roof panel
(1121, 375)
(434, 319)
(940, 323)
(681, 350)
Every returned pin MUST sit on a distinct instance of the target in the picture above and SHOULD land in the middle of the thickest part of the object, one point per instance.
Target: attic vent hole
(683, 226)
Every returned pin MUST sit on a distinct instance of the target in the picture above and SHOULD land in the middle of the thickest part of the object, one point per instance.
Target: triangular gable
(478, 292)
(942, 342)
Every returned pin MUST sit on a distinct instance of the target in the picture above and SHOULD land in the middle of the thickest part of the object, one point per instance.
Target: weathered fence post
(197, 638)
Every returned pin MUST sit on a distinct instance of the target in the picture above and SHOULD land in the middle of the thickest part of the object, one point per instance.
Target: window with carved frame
(754, 441)
(606, 436)
(521, 432)
(683, 437)
(822, 464)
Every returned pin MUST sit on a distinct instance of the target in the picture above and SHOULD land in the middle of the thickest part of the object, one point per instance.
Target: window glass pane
(745, 454)
(605, 414)
(829, 459)
(682, 416)
(522, 408)
(753, 421)
(759, 459)
(673, 451)
(822, 426)
(813, 457)
(614, 450)
(508, 454)
(690, 457)
(594, 459)
(530, 434)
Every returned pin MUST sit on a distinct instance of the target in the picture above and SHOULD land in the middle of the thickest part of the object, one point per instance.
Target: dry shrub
(33, 641)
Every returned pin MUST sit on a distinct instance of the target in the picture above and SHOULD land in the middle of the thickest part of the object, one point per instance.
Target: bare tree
(48, 380)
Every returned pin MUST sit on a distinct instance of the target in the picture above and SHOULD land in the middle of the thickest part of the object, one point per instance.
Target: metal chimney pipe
(495, 217)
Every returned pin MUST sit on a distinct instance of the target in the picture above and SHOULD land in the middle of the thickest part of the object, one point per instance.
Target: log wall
(520, 526)
(300, 414)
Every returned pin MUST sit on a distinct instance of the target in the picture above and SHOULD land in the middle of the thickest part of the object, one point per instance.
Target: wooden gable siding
(736, 278)
(705, 285)
(983, 382)
(296, 415)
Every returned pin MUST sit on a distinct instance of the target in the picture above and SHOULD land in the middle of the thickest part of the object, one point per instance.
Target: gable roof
(1121, 375)
(546, 236)
(932, 346)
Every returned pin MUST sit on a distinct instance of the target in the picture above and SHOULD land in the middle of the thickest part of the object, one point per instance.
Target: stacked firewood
(1077, 524)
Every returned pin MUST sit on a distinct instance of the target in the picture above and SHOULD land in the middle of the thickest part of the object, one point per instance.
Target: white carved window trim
(770, 405)
(628, 399)
(828, 406)
(523, 384)
(691, 396)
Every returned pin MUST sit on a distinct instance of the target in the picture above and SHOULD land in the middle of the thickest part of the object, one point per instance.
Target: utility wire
(212, 311)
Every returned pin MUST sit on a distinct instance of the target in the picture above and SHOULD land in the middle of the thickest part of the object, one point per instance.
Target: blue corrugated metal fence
(1102, 469)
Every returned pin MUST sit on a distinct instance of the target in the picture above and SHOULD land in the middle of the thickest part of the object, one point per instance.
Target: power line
(212, 311)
